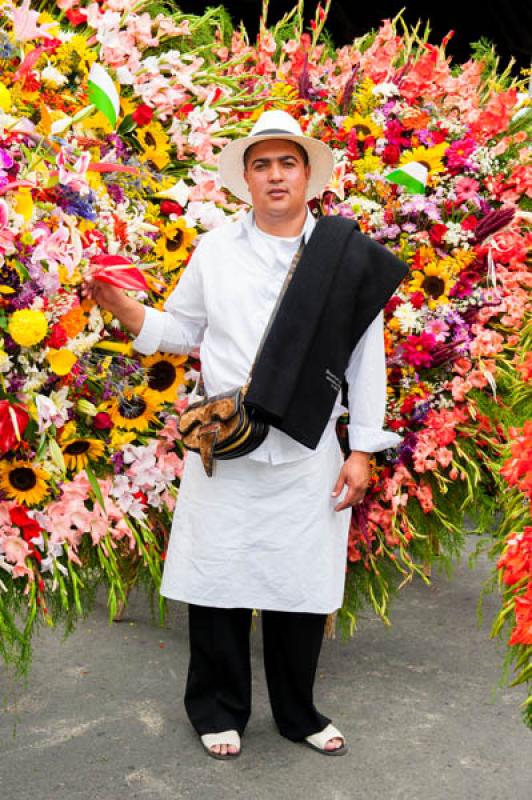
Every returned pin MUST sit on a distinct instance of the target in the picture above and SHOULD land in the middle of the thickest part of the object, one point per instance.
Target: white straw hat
(275, 124)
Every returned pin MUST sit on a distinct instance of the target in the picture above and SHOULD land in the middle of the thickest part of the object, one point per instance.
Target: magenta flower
(416, 350)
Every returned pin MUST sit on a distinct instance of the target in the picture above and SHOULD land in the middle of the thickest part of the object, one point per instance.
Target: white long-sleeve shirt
(223, 303)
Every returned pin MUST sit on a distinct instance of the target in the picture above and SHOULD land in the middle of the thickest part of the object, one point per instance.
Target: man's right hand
(127, 310)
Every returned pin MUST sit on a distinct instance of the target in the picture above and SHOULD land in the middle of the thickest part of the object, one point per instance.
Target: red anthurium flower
(118, 271)
(13, 421)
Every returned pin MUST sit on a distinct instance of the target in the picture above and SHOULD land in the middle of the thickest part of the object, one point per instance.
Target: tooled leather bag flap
(220, 407)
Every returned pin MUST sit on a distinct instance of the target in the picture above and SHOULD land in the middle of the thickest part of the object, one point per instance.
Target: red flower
(437, 232)
(142, 115)
(392, 304)
(76, 16)
(169, 207)
(469, 223)
(416, 350)
(58, 337)
(19, 516)
(522, 633)
(102, 421)
(417, 299)
(391, 154)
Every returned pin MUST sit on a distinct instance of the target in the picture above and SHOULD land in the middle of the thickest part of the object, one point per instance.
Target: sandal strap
(321, 738)
(225, 737)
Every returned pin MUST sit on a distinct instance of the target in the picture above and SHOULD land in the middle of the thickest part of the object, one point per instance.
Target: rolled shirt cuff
(371, 440)
(150, 335)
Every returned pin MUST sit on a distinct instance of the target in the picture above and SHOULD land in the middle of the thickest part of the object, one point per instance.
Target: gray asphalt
(102, 717)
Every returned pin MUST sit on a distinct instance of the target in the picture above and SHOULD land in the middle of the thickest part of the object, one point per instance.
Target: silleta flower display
(111, 122)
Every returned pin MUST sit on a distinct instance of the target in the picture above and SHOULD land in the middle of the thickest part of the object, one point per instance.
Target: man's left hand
(354, 474)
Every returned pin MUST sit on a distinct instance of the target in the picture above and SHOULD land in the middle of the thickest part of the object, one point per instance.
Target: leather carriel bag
(221, 426)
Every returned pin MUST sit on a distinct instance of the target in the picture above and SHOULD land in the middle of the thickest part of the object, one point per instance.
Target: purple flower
(6, 159)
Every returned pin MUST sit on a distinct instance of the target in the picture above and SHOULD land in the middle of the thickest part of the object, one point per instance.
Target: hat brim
(231, 163)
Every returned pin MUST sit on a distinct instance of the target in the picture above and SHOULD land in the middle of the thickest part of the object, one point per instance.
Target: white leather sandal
(318, 741)
(231, 738)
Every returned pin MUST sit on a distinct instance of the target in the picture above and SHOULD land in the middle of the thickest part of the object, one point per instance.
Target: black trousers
(218, 690)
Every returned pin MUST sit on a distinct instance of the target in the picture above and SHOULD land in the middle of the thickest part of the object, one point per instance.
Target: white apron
(259, 535)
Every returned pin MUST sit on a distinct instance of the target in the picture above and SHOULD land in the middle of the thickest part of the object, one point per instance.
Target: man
(269, 529)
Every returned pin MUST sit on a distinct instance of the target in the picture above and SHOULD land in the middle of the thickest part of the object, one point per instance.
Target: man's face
(277, 178)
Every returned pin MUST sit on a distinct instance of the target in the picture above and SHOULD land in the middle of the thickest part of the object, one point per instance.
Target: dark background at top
(507, 23)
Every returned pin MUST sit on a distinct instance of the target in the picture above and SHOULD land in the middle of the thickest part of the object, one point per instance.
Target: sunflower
(78, 452)
(174, 244)
(155, 144)
(430, 157)
(165, 375)
(363, 125)
(24, 482)
(134, 409)
(435, 283)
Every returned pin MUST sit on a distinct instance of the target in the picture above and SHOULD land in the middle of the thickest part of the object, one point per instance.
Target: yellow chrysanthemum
(27, 327)
(164, 376)
(369, 163)
(134, 409)
(155, 144)
(363, 125)
(78, 452)
(435, 283)
(174, 244)
(430, 157)
(24, 482)
(61, 361)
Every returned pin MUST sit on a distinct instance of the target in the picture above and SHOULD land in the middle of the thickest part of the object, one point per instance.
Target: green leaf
(22, 271)
(127, 125)
(95, 486)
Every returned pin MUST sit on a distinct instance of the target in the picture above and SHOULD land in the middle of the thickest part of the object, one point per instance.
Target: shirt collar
(247, 222)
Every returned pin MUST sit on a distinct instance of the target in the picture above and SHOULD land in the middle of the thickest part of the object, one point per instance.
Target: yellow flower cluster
(27, 327)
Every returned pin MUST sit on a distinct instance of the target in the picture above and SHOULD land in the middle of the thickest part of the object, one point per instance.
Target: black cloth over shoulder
(342, 281)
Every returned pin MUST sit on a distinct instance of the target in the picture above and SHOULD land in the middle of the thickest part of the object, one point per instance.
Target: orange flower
(516, 561)
(522, 633)
(73, 321)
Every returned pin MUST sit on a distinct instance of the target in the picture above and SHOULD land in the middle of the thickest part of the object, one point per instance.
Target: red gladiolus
(142, 115)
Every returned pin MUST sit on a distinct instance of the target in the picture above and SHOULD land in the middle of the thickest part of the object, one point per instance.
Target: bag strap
(284, 287)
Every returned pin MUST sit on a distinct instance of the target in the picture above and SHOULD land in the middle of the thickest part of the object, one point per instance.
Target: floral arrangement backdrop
(122, 178)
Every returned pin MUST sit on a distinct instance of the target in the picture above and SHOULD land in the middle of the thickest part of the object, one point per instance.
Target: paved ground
(102, 718)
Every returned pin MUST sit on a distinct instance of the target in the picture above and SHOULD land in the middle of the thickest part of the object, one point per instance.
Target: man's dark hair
(302, 152)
